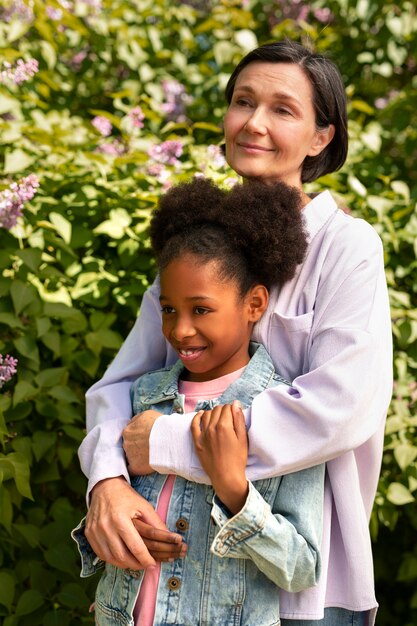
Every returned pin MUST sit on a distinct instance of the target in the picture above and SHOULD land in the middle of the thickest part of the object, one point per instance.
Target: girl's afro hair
(257, 222)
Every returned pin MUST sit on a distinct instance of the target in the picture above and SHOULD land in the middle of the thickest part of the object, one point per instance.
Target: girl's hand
(221, 443)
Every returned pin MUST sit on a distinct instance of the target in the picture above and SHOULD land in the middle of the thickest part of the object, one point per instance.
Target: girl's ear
(257, 300)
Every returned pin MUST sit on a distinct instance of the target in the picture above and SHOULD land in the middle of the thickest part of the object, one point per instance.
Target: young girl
(244, 540)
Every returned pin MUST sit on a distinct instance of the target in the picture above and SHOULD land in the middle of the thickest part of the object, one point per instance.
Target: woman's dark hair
(254, 231)
(329, 99)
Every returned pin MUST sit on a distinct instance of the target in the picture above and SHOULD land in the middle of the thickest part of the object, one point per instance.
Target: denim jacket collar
(255, 378)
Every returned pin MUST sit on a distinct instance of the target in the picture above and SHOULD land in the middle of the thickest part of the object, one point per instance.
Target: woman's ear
(257, 301)
(322, 139)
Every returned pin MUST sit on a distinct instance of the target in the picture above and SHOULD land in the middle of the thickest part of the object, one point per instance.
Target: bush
(103, 105)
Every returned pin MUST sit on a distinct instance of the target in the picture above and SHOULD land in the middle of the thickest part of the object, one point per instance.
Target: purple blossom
(20, 72)
(323, 14)
(136, 116)
(13, 199)
(216, 155)
(7, 368)
(78, 58)
(103, 125)
(166, 152)
(54, 14)
(17, 10)
(176, 100)
(112, 148)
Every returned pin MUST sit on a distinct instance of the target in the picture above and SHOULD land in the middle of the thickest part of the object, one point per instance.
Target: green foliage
(74, 268)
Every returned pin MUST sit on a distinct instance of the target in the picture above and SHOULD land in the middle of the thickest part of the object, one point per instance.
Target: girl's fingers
(239, 420)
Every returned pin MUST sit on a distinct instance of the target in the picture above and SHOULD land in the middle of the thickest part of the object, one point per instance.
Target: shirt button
(181, 524)
(174, 583)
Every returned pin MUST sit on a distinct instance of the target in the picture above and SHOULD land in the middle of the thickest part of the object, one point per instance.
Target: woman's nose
(257, 122)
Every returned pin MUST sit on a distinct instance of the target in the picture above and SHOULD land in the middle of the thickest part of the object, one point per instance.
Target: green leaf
(29, 602)
(19, 467)
(399, 495)
(7, 588)
(62, 226)
(51, 376)
(73, 596)
(23, 391)
(31, 257)
(6, 508)
(29, 532)
(26, 346)
(17, 161)
(22, 296)
(405, 455)
(42, 442)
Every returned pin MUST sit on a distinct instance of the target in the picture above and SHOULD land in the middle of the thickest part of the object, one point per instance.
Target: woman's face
(270, 123)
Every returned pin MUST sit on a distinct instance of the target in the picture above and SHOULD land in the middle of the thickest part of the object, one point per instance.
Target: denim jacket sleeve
(284, 546)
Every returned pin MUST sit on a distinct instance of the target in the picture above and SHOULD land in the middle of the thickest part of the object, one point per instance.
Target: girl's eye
(200, 310)
(165, 310)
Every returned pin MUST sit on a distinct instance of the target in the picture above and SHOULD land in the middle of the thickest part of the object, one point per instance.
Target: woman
(328, 330)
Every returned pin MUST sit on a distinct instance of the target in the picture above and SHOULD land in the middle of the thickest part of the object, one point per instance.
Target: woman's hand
(124, 529)
(136, 442)
(221, 442)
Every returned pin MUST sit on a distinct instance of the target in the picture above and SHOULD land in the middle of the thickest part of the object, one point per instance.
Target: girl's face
(205, 319)
(270, 124)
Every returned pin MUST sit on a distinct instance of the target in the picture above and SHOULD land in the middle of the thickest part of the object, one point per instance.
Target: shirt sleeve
(340, 400)
(108, 401)
(284, 545)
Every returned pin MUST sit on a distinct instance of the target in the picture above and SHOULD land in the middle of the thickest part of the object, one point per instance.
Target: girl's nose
(257, 122)
(182, 329)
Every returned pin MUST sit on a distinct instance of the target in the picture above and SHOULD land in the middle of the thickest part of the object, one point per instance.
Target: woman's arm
(340, 400)
(108, 401)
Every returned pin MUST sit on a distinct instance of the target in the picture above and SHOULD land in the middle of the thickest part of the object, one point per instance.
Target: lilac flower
(20, 72)
(17, 10)
(54, 14)
(7, 368)
(13, 199)
(216, 155)
(176, 100)
(323, 14)
(102, 124)
(113, 148)
(78, 58)
(136, 116)
(166, 152)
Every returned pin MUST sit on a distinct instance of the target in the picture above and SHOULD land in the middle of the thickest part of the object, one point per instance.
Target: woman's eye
(242, 102)
(199, 310)
(165, 310)
(283, 111)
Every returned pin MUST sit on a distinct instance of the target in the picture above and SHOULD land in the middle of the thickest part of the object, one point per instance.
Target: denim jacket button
(134, 573)
(181, 524)
(174, 583)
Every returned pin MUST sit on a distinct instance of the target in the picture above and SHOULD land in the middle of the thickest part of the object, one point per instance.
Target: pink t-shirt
(194, 392)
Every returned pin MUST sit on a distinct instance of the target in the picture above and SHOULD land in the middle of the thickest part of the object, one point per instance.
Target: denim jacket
(234, 564)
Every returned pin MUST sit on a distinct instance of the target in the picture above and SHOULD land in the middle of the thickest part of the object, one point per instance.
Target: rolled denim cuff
(90, 562)
(236, 529)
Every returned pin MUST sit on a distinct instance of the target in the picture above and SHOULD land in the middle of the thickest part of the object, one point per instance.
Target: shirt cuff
(248, 521)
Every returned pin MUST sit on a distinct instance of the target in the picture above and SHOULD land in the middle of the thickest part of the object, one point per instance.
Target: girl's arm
(283, 543)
